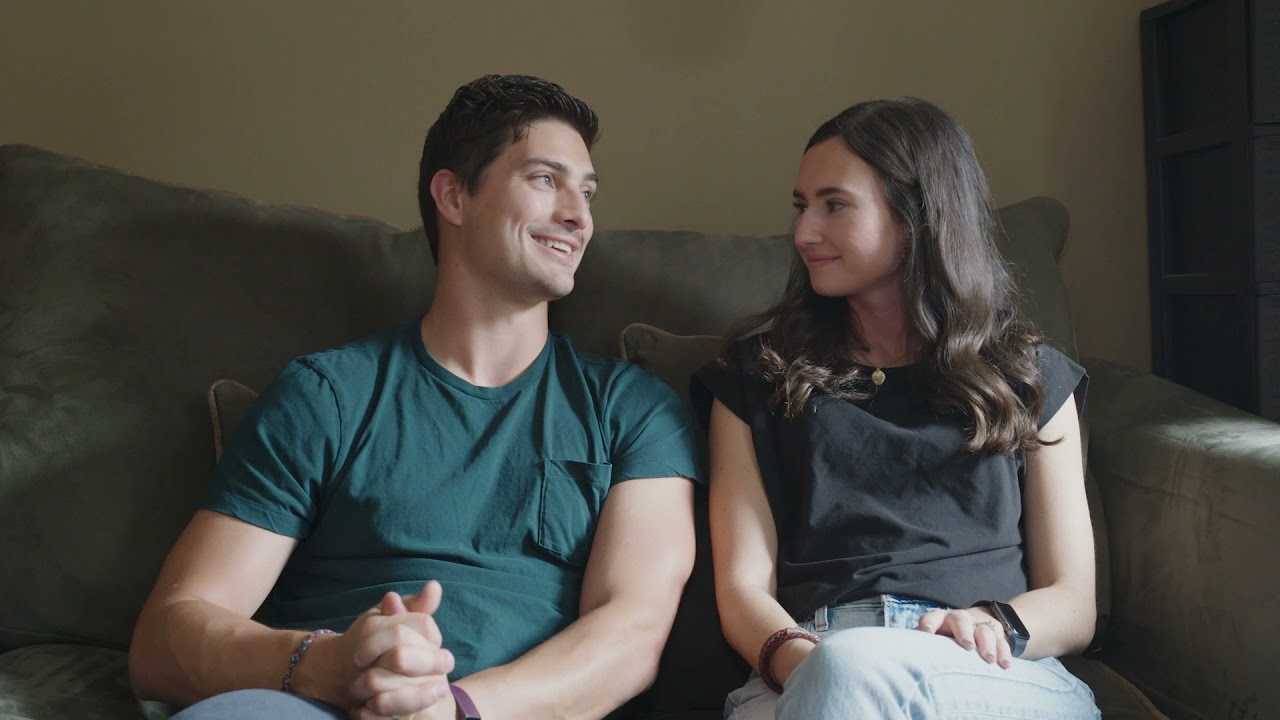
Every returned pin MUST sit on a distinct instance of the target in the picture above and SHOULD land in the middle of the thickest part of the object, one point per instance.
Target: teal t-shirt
(392, 471)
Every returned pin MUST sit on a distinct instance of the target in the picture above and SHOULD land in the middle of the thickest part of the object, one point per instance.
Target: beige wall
(706, 104)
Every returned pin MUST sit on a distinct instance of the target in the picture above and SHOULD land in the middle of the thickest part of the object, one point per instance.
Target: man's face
(527, 222)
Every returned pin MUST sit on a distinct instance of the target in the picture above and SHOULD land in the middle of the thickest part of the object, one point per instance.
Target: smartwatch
(466, 709)
(1014, 631)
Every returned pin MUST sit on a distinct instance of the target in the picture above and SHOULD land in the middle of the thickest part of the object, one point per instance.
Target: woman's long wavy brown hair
(979, 358)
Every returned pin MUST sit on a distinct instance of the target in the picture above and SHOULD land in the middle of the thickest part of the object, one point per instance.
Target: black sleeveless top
(881, 496)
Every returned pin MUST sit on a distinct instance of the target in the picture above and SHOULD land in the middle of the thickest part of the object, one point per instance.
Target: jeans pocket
(904, 612)
(569, 507)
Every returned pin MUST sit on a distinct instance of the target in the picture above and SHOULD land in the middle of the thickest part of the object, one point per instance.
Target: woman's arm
(744, 546)
(1060, 609)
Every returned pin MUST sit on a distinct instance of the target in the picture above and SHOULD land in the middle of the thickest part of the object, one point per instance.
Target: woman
(898, 516)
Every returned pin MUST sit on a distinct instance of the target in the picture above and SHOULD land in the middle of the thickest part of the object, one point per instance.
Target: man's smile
(562, 244)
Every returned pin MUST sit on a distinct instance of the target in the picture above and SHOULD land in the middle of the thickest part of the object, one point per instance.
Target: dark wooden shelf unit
(1211, 96)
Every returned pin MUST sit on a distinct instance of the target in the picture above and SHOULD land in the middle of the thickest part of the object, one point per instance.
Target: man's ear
(448, 194)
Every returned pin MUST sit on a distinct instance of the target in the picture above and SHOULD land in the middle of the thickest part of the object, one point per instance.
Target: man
(546, 490)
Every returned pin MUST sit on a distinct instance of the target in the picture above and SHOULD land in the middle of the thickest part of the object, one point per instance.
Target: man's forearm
(585, 671)
(187, 650)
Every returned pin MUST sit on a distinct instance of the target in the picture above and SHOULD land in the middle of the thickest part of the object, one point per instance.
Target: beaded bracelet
(771, 646)
(286, 683)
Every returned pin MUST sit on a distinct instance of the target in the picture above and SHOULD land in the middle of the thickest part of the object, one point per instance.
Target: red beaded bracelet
(286, 682)
(771, 646)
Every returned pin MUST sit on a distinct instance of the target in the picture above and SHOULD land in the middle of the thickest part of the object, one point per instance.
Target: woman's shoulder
(1044, 351)
(1062, 378)
(751, 345)
(736, 353)
(1055, 364)
(732, 377)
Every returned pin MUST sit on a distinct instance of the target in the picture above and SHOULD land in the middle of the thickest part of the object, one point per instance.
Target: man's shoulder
(617, 382)
(356, 359)
(592, 364)
(648, 427)
(607, 373)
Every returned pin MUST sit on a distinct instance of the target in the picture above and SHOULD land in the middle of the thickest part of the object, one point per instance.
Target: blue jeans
(260, 705)
(872, 664)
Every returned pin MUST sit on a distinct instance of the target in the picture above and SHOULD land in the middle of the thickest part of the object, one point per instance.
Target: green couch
(122, 300)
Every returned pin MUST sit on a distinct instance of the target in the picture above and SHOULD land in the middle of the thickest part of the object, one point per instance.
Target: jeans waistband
(877, 611)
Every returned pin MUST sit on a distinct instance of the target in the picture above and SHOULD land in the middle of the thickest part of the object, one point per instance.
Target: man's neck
(481, 341)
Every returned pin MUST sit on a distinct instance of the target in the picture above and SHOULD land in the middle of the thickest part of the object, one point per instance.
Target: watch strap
(464, 703)
(1010, 622)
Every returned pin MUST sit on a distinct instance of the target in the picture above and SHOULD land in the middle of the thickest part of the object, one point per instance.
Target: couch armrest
(1191, 490)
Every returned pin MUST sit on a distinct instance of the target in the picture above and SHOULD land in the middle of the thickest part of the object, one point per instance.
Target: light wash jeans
(261, 705)
(873, 665)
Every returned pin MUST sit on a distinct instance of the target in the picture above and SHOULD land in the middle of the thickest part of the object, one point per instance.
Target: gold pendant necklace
(878, 375)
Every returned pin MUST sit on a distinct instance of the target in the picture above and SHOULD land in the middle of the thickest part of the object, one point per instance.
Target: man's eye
(834, 205)
(797, 207)
(544, 179)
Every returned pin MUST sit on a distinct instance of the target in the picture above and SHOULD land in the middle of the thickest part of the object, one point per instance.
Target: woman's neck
(881, 323)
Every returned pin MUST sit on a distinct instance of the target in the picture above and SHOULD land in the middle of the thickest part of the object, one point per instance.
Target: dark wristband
(1014, 631)
(465, 706)
(771, 646)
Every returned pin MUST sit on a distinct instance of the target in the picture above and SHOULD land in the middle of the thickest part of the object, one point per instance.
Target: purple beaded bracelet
(286, 682)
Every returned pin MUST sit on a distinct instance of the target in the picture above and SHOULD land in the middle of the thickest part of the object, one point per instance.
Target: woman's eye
(834, 205)
(797, 207)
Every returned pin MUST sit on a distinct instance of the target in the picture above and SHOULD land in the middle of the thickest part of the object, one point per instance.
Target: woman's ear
(904, 238)
(448, 193)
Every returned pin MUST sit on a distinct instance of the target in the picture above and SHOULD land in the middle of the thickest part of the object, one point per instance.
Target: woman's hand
(972, 629)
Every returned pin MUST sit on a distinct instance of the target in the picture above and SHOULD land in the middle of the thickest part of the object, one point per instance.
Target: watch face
(1015, 632)
(1010, 618)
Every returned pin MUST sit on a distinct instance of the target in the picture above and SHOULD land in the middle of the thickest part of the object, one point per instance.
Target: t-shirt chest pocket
(571, 496)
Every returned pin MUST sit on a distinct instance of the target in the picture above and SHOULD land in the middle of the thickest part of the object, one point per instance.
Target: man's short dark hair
(485, 116)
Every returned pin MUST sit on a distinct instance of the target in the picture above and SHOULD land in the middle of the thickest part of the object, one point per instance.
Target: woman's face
(851, 241)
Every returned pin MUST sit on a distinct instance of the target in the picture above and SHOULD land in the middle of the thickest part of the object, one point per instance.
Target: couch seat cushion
(1116, 697)
(48, 682)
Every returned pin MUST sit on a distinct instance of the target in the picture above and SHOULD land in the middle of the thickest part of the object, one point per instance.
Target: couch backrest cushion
(683, 282)
(229, 401)
(1032, 236)
(696, 283)
(121, 300)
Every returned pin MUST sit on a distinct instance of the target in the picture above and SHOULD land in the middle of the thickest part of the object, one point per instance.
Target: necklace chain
(877, 375)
